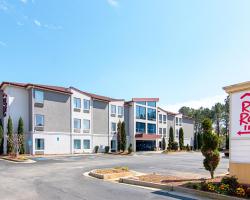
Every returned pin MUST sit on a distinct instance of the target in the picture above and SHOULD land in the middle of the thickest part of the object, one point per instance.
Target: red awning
(142, 136)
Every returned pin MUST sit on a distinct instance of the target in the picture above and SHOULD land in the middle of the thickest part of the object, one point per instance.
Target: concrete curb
(110, 176)
(29, 161)
(178, 189)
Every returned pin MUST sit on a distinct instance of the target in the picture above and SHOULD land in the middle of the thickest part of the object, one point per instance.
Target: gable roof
(95, 96)
(38, 86)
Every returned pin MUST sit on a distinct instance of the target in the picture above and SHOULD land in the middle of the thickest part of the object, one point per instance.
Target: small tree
(210, 147)
(130, 149)
(181, 139)
(123, 137)
(163, 143)
(10, 146)
(1, 137)
(20, 133)
(171, 138)
(119, 125)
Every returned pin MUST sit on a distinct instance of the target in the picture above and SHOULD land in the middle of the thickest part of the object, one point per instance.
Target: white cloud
(37, 23)
(3, 44)
(207, 102)
(113, 3)
(24, 1)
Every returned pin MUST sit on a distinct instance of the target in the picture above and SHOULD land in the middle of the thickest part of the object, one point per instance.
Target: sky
(182, 51)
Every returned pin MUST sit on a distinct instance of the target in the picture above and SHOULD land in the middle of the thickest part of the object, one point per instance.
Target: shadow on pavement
(166, 194)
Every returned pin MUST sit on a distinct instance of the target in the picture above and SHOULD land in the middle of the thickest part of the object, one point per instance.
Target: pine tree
(123, 137)
(163, 143)
(10, 145)
(119, 125)
(181, 139)
(21, 136)
(171, 138)
(210, 147)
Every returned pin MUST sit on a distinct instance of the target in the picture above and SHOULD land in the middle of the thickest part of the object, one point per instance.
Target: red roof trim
(145, 99)
(147, 136)
(95, 96)
(45, 87)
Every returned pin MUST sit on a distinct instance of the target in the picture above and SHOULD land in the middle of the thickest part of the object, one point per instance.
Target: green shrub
(181, 139)
(106, 149)
(163, 143)
(175, 146)
(188, 147)
(96, 149)
(10, 144)
(20, 133)
(210, 147)
(130, 149)
(171, 138)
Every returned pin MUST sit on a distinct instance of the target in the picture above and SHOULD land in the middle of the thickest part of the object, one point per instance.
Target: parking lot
(61, 177)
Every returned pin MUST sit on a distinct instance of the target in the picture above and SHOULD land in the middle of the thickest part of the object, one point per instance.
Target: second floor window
(160, 131)
(77, 103)
(164, 119)
(39, 120)
(164, 131)
(176, 121)
(39, 96)
(86, 124)
(140, 127)
(120, 111)
(160, 118)
(77, 124)
(113, 110)
(151, 129)
(86, 104)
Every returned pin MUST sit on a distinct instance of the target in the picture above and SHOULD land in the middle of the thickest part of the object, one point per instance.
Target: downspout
(71, 152)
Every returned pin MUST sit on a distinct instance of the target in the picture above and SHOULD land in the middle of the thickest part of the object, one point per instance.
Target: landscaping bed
(226, 186)
(16, 158)
(111, 173)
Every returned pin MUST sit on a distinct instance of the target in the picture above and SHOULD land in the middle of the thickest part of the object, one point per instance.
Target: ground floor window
(113, 145)
(77, 144)
(86, 144)
(39, 144)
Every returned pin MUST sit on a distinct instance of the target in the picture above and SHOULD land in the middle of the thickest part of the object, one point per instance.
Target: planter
(111, 175)
(177, 189)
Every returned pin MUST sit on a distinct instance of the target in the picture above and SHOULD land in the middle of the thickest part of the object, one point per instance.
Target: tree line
(218, 114)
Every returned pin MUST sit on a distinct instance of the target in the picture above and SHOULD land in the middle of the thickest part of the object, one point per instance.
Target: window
(113, 110)
(39, 96)
(164, 119)
(141, 103)
(39, 120)
(180, 121)
(86, 124)
(77, 103)
(160, 131)
(77, 144)
(176, 121)
(177, 133)
(160, 118)
(113, 145)
(151, 114)
(86, 144)
(39, 144)
(113, 127)
(151, 129)
(77, 124)
(86, 104)
(140, 127)
(120, 111)
(151, 103)
(140, 112)
(164, 131)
